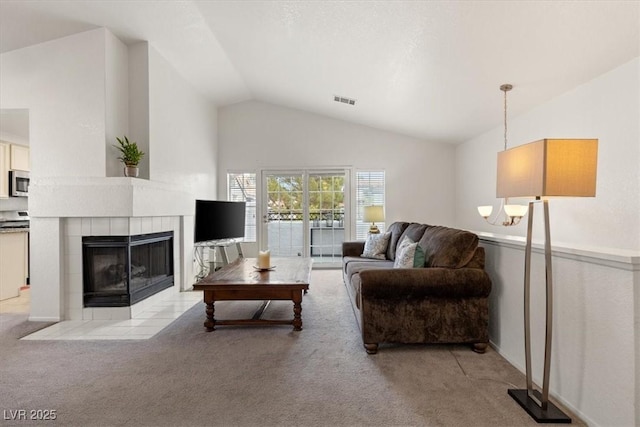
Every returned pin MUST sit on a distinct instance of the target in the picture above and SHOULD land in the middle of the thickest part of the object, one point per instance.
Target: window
(241, 187)
(369, 191)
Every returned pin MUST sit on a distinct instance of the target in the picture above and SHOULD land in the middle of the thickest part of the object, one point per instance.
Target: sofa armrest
(418, 283)
(354, 248)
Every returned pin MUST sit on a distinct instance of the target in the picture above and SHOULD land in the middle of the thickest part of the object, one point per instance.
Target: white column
(187, 278)
(47, 269)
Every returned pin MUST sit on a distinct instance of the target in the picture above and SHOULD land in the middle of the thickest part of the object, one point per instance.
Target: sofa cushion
(396, 229)
(355, 267)
(349, 259)
(409, 254)
(448, 247)
(365, 265)
(376, 246)
(353, 270)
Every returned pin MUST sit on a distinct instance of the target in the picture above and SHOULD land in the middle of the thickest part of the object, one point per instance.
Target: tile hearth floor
(144, 326)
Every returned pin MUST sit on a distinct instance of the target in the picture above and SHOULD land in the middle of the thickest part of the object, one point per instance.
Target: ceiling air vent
(344, 100)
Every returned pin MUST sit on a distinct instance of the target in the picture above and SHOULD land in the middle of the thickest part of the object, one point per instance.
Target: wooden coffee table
(240, 281)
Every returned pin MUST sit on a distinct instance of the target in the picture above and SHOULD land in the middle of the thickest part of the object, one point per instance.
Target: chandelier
(512, 213)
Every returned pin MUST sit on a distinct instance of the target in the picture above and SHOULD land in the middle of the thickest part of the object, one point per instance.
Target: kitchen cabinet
(14, 263)
(20, 158)
(4, 170)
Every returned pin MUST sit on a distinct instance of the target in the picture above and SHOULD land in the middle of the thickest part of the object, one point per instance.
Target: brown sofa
(444, 302)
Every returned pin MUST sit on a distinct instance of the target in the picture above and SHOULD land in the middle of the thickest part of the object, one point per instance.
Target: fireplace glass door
(122, 270)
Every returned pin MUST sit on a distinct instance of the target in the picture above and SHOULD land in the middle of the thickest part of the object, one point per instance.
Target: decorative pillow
(409, 254)
(376, 246)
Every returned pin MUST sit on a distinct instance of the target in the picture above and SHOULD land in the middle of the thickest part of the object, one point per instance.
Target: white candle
(264, 259)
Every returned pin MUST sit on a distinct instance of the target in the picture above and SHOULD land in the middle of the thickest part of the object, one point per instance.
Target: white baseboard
(44, 319)
(584, 418)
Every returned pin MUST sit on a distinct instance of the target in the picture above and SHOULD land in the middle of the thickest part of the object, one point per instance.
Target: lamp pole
(535, 403)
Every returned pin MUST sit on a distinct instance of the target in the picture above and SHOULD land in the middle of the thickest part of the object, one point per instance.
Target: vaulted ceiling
(429, 69)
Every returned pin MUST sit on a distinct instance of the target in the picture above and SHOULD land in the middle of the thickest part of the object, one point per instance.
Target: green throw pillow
(419, 257)
(409, 255)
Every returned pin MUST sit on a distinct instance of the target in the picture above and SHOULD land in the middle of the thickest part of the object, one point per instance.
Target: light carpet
(255, 376)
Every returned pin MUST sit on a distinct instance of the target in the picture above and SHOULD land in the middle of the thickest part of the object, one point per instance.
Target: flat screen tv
(217, 220)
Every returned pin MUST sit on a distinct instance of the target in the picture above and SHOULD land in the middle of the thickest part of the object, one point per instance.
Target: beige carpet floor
(255, 376)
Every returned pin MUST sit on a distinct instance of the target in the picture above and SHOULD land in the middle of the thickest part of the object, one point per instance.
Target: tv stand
(221, 246)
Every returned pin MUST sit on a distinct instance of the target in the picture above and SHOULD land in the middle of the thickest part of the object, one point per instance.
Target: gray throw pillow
(376, 246)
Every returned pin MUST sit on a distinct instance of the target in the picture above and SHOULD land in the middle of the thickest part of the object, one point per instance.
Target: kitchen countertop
(14, 230)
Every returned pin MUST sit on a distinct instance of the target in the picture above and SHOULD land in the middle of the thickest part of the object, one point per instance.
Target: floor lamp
(545, 168)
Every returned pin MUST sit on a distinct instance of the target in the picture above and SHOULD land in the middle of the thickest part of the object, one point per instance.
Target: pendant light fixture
(512, 213)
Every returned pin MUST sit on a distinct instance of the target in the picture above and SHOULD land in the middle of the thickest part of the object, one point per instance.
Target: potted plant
(131, 156)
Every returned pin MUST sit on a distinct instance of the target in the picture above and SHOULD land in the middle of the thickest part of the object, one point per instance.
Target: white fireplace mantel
(107, 197)
(63, 209)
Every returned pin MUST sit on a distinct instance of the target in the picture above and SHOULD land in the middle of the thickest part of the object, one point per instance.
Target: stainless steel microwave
(18, 183)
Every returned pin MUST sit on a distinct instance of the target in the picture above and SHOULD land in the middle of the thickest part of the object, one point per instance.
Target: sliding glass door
(304, 213)
(326, 215)
(283, 214)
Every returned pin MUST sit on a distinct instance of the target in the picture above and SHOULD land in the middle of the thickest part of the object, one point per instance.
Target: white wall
(419, 175)
(139, 102)
(183, 144)
(596, 354)
(593, 365)
(182, 131)
(62, 83)
(116, 100)
(606, 108)
(76, 90)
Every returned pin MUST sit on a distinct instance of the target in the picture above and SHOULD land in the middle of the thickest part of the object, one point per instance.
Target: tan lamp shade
(373, 213)
(549, 167)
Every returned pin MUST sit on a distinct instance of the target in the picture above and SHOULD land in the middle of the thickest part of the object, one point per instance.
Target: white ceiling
(429, 69)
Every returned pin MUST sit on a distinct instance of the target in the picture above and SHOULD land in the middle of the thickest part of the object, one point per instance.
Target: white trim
(583, 417)
(610, 257)
(44, 319)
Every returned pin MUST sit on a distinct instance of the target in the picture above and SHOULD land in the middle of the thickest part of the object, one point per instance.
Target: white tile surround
(75, 228)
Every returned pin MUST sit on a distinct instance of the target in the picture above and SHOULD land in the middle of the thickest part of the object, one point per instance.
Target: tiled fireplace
(63, 210)
(118, 232)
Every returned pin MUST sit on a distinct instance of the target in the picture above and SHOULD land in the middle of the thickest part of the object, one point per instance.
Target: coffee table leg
(297, 310)
(210, 323)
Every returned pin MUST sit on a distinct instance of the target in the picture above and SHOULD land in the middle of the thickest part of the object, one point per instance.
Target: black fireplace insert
(119, 271)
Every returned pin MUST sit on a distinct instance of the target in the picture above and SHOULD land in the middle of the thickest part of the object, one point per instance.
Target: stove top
(14, 219)
(14, 224)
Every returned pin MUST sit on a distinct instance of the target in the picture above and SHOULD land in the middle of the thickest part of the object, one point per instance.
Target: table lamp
(373, 214)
